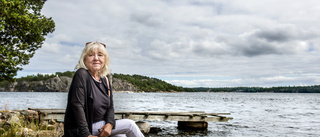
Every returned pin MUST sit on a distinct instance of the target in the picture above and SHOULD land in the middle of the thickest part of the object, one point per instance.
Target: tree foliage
(39, 77)
(148, 84)
(67, 74)
(22, 32)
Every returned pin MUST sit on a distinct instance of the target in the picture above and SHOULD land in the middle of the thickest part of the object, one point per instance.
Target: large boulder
(143, 126)
(120, 85)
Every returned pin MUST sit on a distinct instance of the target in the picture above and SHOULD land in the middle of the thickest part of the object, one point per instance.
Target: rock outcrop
(61, 84)
(31, 123)
(56, 84)
(28, 123)
(120, 85)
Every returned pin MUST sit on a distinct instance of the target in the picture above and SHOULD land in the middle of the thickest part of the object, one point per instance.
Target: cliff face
(120, 85)
(61, 84)
(56, 84)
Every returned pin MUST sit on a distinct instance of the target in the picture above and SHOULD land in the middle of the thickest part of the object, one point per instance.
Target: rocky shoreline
(31, 123)
(28, 123)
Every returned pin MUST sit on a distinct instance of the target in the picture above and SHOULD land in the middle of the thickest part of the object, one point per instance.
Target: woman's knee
(126, 123)
(130, 123)
(128, 127)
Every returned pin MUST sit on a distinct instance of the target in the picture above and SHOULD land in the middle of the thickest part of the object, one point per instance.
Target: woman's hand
(92, 136)
(106, 130)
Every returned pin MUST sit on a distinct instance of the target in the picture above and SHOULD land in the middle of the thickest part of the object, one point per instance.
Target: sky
(189, 43)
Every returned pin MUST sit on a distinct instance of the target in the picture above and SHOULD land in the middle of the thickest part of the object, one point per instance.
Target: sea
(254, 114)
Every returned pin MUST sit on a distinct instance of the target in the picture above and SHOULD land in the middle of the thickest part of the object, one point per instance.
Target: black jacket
(78, 117)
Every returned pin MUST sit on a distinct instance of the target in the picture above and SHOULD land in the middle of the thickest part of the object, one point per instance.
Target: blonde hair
(91, 47)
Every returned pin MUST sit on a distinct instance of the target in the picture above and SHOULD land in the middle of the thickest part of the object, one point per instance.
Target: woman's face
(94, 61)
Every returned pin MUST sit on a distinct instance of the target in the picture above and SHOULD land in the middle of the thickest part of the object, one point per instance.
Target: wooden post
(192, 125)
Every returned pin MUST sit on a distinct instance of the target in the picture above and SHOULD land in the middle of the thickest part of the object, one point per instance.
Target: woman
(90, 110)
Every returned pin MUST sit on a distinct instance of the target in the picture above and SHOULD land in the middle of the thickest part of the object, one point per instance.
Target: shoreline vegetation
(59, 82)
(28, 123)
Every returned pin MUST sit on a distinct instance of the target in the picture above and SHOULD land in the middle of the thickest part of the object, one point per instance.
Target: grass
(28, 129)
(25, 126)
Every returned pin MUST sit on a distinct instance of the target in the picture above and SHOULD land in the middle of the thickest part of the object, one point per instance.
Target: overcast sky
(190, 43)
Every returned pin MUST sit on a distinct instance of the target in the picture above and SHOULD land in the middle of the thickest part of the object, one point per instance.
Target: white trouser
(124, 128)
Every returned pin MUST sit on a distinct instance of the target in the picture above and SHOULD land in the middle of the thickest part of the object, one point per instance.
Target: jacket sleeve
(109, 117)
(78, 98)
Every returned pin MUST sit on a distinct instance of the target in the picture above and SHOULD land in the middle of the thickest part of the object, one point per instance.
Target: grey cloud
(160, 50)
(258, 48)
(217, 7)
(266, 41)
(210, 48)
(257, 43)
(146, 19)
(275, 35)
(285, 33)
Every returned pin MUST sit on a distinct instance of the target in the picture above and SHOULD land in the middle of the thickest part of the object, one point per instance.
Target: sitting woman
(90, 110)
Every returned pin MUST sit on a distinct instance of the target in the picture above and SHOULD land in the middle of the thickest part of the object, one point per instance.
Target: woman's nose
(96, 57)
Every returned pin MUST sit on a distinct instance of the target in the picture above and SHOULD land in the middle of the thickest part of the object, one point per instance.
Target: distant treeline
(148, 84)
(143, 83)
(39, 77)
(289, 89)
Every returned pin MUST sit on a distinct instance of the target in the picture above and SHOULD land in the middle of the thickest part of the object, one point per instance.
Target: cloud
(250, 82)
(244, 43)
(284, 39)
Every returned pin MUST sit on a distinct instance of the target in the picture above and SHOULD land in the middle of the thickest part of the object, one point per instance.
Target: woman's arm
(78, 97)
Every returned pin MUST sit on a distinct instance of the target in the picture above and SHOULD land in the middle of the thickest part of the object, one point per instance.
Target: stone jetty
(49, 122)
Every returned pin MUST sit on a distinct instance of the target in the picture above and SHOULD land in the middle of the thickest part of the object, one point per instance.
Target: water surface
(255, 114)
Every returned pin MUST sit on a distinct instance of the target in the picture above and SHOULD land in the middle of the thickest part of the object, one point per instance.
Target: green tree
(22, 32)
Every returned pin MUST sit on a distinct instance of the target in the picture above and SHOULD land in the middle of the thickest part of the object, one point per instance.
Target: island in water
(60, 82)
